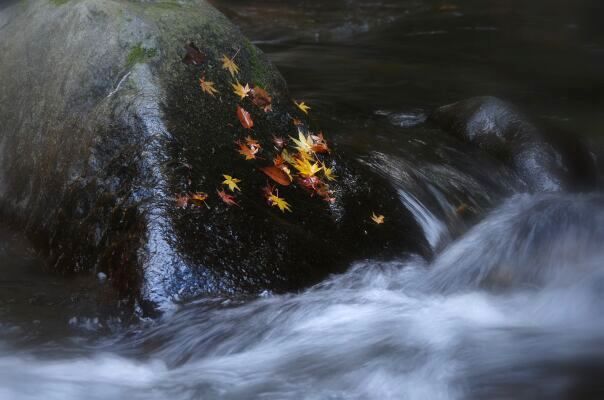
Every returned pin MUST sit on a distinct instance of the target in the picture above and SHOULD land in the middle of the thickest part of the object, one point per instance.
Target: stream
(510, 306)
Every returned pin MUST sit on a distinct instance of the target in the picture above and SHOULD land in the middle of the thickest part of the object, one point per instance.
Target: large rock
(103, 124)
(546, 158)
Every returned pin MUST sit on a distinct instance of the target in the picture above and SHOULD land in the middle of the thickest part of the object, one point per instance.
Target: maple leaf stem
(236, 53)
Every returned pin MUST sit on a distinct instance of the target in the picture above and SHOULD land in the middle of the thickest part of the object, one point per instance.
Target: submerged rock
(104, 124)
(546, 159)
(529, 241)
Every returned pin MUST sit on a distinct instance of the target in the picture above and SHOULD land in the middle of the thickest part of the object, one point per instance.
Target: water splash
(397, 330)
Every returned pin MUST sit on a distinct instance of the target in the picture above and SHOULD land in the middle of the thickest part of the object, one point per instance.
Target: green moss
(59, 2)
(259, 68)
(139, 54)
(167, 5)
(166, 9)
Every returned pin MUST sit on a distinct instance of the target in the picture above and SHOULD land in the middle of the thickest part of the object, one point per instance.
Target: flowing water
(510, 306)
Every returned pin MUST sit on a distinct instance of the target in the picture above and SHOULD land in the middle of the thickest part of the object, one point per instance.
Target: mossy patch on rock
(139, 54)
(167, 5)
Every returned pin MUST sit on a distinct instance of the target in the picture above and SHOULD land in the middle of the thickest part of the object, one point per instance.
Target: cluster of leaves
(298, 161)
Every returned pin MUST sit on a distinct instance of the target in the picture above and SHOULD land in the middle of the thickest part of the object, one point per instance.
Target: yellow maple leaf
(303, 144)
(207, 87)
(231, 182)
(306, 168)
(378, 219)
(280, 202)
(288, 157)
(240, 90)
(229, 64)
(302, 106)
(328, 172)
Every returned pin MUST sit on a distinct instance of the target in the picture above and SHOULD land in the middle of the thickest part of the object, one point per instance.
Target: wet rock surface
(103, 125)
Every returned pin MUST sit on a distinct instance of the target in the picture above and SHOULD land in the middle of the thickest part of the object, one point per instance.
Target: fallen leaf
(303, 144)
(314, 185)
(207, 86)
(229, 64)
(297, 122)
(194, 56)
(280, 163)
(287, 171)
(320, 148)
(279, 160)
(262, 99)
(277, 201)
(319, 143)
(277, 174)
(199, 198)
(328, 173)
(240, 90)
(288, 157)
(311, 183)
(272, 196)
(231, 182)
(327, 195)
(252, 143)
(268, 190)
(305, 168)
(244, 150)
(378, 219)
(302, 106)
(245, 118)
(279, 142)
(227, 198)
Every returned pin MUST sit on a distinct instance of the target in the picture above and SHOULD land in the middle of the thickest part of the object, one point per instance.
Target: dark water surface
(509, 309)
(356, 57)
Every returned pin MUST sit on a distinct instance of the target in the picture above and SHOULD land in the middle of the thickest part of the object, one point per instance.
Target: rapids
(511, 309)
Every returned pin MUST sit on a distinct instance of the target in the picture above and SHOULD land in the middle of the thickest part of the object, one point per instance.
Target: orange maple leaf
(277, 174)
(246, 151)
(199, 198)
(262, 99)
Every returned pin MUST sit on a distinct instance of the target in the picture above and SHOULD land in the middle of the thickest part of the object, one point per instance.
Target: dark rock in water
(543, 158)
(583, 170)
(104, 123)
(529, 241)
